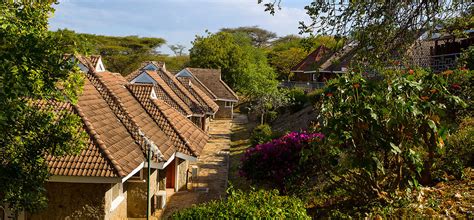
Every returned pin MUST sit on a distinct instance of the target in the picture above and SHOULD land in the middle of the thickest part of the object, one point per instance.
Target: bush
(253, 205)
(277, 161)
(315, 96)
(261, 134)
(383, 135)
(297, 99)
(460, 149)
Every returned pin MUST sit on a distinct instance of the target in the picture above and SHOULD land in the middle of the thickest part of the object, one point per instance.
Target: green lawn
(240, 142)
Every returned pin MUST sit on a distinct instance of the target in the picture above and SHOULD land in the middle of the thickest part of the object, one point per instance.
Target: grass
(239, 143)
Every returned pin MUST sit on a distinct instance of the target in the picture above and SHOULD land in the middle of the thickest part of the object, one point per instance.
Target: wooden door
(170, 174)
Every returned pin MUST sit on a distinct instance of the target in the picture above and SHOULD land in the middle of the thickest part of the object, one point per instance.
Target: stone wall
(119, 212)
(182, 174)
(136, 194)
(74, 201)
(223, 112)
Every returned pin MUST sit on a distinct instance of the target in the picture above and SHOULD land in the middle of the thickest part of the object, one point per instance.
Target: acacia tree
(381, 28)
(260, 37)
(177, 49)
(32, 68)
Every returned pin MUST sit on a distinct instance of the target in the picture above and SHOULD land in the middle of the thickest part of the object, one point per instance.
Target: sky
(177, 21)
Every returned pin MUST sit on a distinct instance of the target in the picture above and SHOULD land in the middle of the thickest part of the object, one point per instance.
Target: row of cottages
(320, 66)
(148, 126)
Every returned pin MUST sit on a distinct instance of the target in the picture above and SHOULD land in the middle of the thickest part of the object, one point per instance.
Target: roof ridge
(199, 81)
(159, 84)
(179, 133)
(147, 109)
(119, 110)
(96, 138)
(176, 86)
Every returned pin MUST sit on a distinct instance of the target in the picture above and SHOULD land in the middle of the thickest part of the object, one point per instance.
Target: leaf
(432, 125)
(395, 148)
(378, 164)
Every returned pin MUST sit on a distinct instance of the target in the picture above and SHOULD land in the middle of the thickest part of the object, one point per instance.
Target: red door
(170, 175)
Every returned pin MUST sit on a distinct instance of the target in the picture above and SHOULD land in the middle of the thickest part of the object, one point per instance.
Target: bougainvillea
(278, 160)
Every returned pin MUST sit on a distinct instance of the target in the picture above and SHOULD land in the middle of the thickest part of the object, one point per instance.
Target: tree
(287, 51)
(120, 54)
(32, 68)
(381, 29)
(284, 60)
(219, 51)
(260, 37)
(177, 49)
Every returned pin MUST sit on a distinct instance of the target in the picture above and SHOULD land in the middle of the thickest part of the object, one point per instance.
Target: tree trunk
(262, 118)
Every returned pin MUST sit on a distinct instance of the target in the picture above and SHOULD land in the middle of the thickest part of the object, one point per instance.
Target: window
(117, 196)
(228, 104)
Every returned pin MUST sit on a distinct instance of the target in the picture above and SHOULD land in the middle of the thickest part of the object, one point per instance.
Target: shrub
(261, 134)
(277, 161)
(297, 99)
(384, 134)
(253, 205)
(315, 96)
(460, 149)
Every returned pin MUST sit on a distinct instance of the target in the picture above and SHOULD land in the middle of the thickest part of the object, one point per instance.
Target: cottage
(209, 81)
(133, 138)
(186, 99)
(320, 66)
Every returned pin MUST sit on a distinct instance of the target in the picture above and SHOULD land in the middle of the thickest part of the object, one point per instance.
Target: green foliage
(467, 58)
(260, 37)
(261, 134)
(259, 204)
(286, 52)
(383, 135)
(244, 67)
(120, 54)
(298, 99)
(32, 68)
(459, 151)
(380, 28)
(315, 95)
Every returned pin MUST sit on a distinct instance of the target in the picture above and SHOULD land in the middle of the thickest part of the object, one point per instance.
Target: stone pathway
(213, 170)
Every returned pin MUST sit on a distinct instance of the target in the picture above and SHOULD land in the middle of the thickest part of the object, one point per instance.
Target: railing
(437, 63)
(302, 85)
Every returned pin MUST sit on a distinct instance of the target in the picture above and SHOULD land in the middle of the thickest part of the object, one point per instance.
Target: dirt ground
(213, 170)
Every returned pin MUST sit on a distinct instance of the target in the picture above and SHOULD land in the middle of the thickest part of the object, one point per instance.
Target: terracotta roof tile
(211, 79)
(116, 83)
(172, 122)
(109, 131)
(203, 98)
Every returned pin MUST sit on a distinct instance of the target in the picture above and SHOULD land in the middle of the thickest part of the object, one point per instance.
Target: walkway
(213, 170)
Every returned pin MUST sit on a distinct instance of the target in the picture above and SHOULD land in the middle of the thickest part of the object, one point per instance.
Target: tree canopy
(120, 54)
(32, 68)
(260, 37)
(381, 29)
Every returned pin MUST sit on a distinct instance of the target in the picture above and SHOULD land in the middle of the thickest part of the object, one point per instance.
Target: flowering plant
(278, 160)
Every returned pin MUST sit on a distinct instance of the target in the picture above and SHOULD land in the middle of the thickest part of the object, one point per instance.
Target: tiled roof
(116, 83)
(187, 136)
(94, 59)
(201, 96)
(173, 89)
(211, 79)
(323, 59)
(91, 161)
(311, 61)
(165, 93)
(109, 130)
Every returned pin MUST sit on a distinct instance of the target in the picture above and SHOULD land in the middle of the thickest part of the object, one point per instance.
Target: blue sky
(177, 21)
